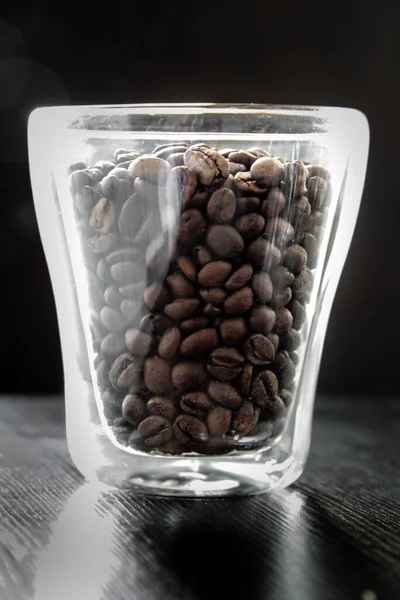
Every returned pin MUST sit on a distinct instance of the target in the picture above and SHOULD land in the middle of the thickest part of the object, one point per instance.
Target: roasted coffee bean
(112, 319)
(103, 272)
(155, 431)
(131, 310)
(214, 273)
(214, 295)
(103, 218)
(122, 255)
(318, 171)
(189, 429)
(157, 375)
(259, 350)
(278, 231)
(199, 343)
(202, 255)
(274, 339)
(229, 182)
(300, 211)
(113, 297)
(236, 168)
(165, 153)
(294, 357)
(250, 226)
(284, 319)
(219, 420)
(294, 258)
(103, 244)
(186, 266)
(169, 343)
(179, 286)
(224, 393)
(210, 167)
(189, 375)
(263, 255)
(256, 151)
(286, 397)
(239, 278)
(299, 313)
(294, 179)
(224, 241)
(267, 172)
(191, 227)
(78, 166)
(242, 157)
(225, 152)
(176, 159)
(182, 308)
(222, 206)
(116, 178)
(151, 168)
(156, 296)
(262, 319)
(158, 255)
(318, 232)
(102, 371)
(134, 409)
(132, 216)
(149, 191)
(246, 185)
(310, 245)
(274, 411)
(181, 185)
(281, 298)
(239, 302)
(245, 419)
(287, 373)
(247, 204)
(105, 165)
(274, 204)
(124, 372)
(112, 402)
(79, 179)
(316, 219)
(112, 346)
(302, 284)
(162, 407)
(125, 155)
(160, 147)
(125, 272)
(138, 342)
(233, 331)
(264, 388)
(281, 278)
(262, 286)
(290, 340)
(195, 403)
(225, 364)
(245, 379)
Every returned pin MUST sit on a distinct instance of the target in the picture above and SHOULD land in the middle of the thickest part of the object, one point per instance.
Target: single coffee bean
(281, 278)
(214, 273)
(112, 319)
(125, 272)
(202, 255)
(239, 278)
(151, 168)
(281, 298)
(186, 266)
(125, 155)
(165, 153)
(111, 183)
(224, 393)
(239, 302)
(294, 258)
(157, 375)
(294, 357)
(225, 152)
(242, 157)
(286, 397)
(176, 159)
(102, 371)
(246, 419)
(258, 152)
(225, 364)
(284, 319)
(189, 429)
(181, 185)
(274, 339)
(195, 324)
(160, 147)
(199, 343)
(78, 166)
(224, 241)
(124, 372)
(263, 255)
(222, 206)
(219, 420)
(103, 244)
(112, 346)
(103, 218)
(162, 407)
(310, 245)
(214, 295)
(138, 342)
(290, 340)
(103, 272)
(259, 350)
(280, 361)
(195, 403)
(189, 375)
(246, 185)
(113, 297)
(265, 388)
(105, 165)
(294, 179)
(210, 167)
(267, 172)
(316, 219)
(246, 204)
(262, 286)
(299, 212)
(155, 431)
(318, 171)
(133, 291)
(274, 204)
(250, 226)
(262, 319)
(169, 343)
(236, 168)
(287, 373)
(151, 192)
(233, 331)
(302, 284)
(299, 314)
(179, 286)
(318, 232)
(274, 411)
(131, 310)
(278, 231)
(156, 296)
(112, 402)
(245, 379)
(132, 216)
(134, 409)
(182, 308)
(121, 255)
(191, 227)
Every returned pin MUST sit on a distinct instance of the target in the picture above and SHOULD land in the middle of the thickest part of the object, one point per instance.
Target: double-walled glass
(194, 253)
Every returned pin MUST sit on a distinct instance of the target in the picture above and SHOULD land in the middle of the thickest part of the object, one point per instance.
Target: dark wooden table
(333, 535)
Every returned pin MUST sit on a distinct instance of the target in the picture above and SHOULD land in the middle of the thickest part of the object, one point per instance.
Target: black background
(342, 54)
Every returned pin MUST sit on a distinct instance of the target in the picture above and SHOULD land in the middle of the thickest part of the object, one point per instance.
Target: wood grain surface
(334, 535)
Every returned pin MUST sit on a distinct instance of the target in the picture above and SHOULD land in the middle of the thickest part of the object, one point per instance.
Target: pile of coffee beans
(200, 263)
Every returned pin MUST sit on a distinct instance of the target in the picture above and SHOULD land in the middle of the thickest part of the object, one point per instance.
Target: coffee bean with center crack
(124, 372)
(189, 429)
(182, 308)
(225, 364)
(199, 343)
(103, 218)
(245, 379)
(210, 167)
(169, 343)
(233, 331)
(284, 319)
(195, 403)
(150, 168)
(156, 296)
(290, 340)
(224, 393)
(262, 319)
(224, 241)
(246, 185)
(264, 388)
(239, 302)
(246, 419)
(219, 420)
(179, 286)
(259, 350)
(157, 375)
(155, 431)
(239, 278)
(214, 273)
(189, 375)
(162, 406)
(263, 255)
(262, 286)
(191, 227)
(222, 206)
(318, 171)
(138, 342)
(134, 409)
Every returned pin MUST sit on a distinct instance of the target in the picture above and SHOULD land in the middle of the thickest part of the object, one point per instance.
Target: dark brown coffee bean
(182, 309)
(294, 179)
(102, 374)
(262, 319)
(169, 343)
(236, 168)
(290, 340)
(284, 319)
(281, 298)
(162, 407)
(244, 382)
(179, 286)
(299, 314)
(273, 411)
(246, 419)
(199, 343)
(239, 302)
(112, 346)
(210, 167)
(225, 152)
(219, 420)
(156, 296)
(138, 342)
(160, 147)
(155, 431)
(286, 397)
(233, 331)
(274, 204)
(176, 159)
(287, 373)
(239, 278)
(214, 273)
(157, 375)
(186, 266)
(274, 339)
(263, 255)
(211, 311)
(224, 241)
(278, 231)
(224, 393)
(151, 168)
(242, 157)
(280, 361)
(250, 226)
(246, 185)
(180, 186)
(259, 350)
(294, 357)
(103, 218)
(191, 227)
(262, 286)
(112, 319)
(300, 211)
(222, 206)
(215, 295)
(112, 402)
(294, 258)
(124, 372)
(318, 171)
(158, 255)
(316, 219)
(267, 172)
(202, 255)
(195, 324)
(199, 199)
(302, 284)
(281, 278)
(195, 403)
(189, 375)
(247, 205)
(225, 364)
(310, 245)
(265, 388)
(189, 429)
(134, 409)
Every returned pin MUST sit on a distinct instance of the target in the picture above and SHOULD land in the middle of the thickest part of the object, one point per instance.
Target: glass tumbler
(194, 253)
